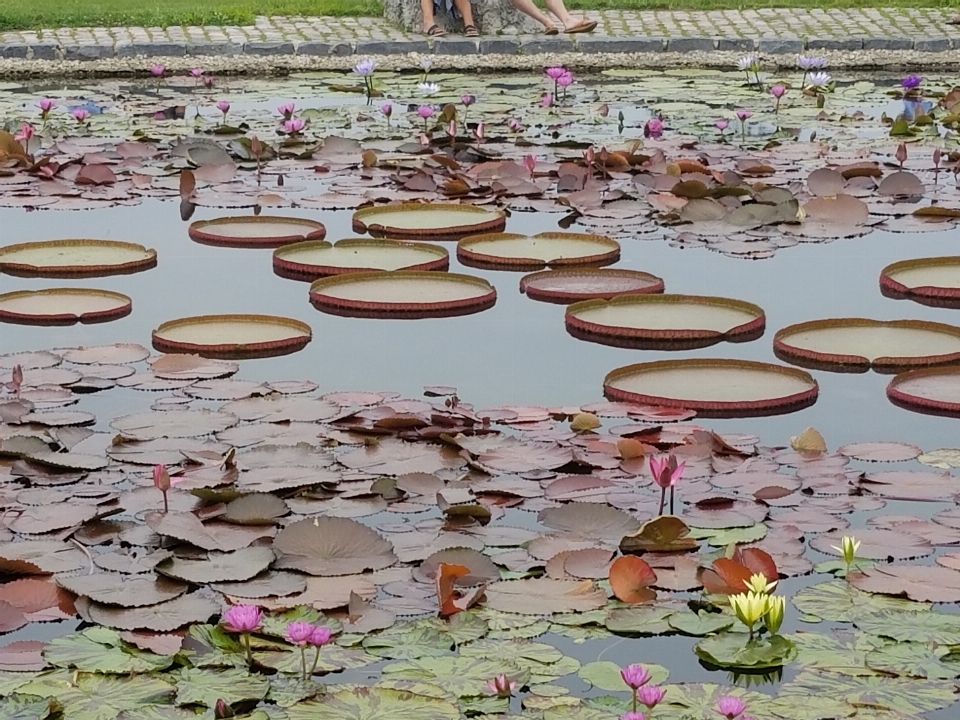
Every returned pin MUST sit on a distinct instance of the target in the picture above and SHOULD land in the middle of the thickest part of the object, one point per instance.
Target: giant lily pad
(63, 306)
(100, 650)
(312, 260)
(75, 258)
(402, 294)
(856, 344)
(510, 251)
(935, 391)
(669, 321)
(232, 336)
(255, 231)
(172, 424)
(576, 284)
(931, 281)
(332, 546)
(437, 221)
(715, 388)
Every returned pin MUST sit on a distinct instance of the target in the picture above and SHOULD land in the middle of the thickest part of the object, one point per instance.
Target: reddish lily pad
(922, 583)
(931, 281)
(511, 251)
(437, 221)
(312, 260)
(233, 336)
(255, 231)
(63, 306)
(75, 258)
(573, 285)
(935, 391)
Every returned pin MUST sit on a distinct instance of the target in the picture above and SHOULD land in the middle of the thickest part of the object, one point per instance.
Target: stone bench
(492, 17)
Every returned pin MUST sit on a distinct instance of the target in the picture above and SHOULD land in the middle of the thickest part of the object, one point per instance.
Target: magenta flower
(320, 636)
(294, 125)
(666, 473)
(425, 111)
(196, 72)
(24, 133)
(911, 82)
(651, 695)
(555, 73)
(223, 106)
(743, 115)
(721, 125)
(161, 481)
(286, 110)
(468, 100)
(731, 707)
(547, 100)
(157, 70)
(501, 686)
(565, 80)
(778, 91)
(16, 380)
(45, 105)
(653, 128)
(300, 633)
(80, 115)
(479, 132)
(387, 109)
(514, 125)
(530, 163)
(633, 715)
(208, 81)
(635, 676)
(242, 618)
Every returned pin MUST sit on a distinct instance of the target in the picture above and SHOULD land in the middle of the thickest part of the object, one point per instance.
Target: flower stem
(316, 659)
(303, 663)
(663, 500)
(165, 506)
(671, 500)
(634, 699)
(246, 642)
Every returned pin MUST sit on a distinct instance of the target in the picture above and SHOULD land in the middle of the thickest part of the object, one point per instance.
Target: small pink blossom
(731, 707)
(633, 715)
(16, 380)
(743, 115)
(530, 163)
(468, 100)
(778, 91)
(480, 132)
(320, 636)
(208, 81)
(196, 72)
(653, 128)
(721, 125)
(223, 106)
(24, 133)
(242, 618)
(555, 73)
(157, 70)
(300, 633)
(294, 125)
(286, 110)
(387, 109)
(666, 472)
(425, 111)
(501, 686)
(514, 125)
(565, 80)
(161, 478)
(547, 100)
(46, 105)
(81, 115)
(651, 695)
(635, 676)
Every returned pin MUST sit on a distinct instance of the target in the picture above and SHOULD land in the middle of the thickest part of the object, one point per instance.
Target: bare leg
(560, 10)
(426, 6)
(527, 7)
(466, 11)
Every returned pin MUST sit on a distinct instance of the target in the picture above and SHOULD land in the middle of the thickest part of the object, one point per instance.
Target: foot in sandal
(435, 31)
(582, 26)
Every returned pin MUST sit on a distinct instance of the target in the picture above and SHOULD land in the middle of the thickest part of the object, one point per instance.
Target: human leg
(528, 8)
(570, 23)
(466, 12)
(430, 26)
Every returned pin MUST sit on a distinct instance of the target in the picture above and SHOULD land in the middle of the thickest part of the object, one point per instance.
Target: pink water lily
(666, 473)
(45, 105)
(651, 695)
(196, 72)
(635, 676)
(387, 110)
(243, 619)
(16, 380)
(157, 70)
(286, 110)
(24, 134)
(502, 686)
(479, 132)
(81, 115)
(653, 128)
(299, 633)
(530, 163)
(514, 125)
(731, 707)
(294, 126)
(554, 73)
(547, 100)
(161, 481)
(633, 715)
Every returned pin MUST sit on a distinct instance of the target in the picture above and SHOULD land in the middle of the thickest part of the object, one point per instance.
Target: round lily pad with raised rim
(931, 281)
(665, 321)
(933, 391)
(75, 258)
(232, 336)
(431, 221)
(256, 231)
(312, 260)
(402, 294)
(714, 388)
(513, 251)
(63, 306)
(859, 344)
(576, 284)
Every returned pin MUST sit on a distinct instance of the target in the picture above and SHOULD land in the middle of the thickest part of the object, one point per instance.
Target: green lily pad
(842, 651)
(914, 659)
(509, 626)
(26, 707)
(466, 627)
(100, 697)
(839, 601)
(738, 536)
(374, 703)
(605, 675)
(733, 650)
(275, 624)
(463, 676)
(487, 705)
(700, 623)
(698, 701)
(212, 646)
(196, 686)
(909, 696)
(408, 640)
(288, 691)
(935, 627)
(100, 649)
(639, 620)
(333, 658)
(10, 681)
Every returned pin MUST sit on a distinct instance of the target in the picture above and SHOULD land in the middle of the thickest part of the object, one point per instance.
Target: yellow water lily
(749, 607)
(758, 584)
(848, 549)
(774, 617)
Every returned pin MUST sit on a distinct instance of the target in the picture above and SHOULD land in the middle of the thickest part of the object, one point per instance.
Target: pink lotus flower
(24, 133)
(294, 126)
(651, 695)
(722, 125)
(468, 100)
(45, 105)
(565, 80)
(242, 618)
(635, 676)
(299, 633)
(425, 111)
(321, 636)
(514, 125)
(633, 715)
(387, 109)
(80, 115)
(653, 128)
(208, 81)
(547, 100)
(16, 380)
(666, 472)
(196, 72)
(555, 73)
(743, 115)
(157, 70)
(778, 91)
(530, 163)
(501, 686)
(731, 707)
(223, 106)
(286, 110)
(479, 132)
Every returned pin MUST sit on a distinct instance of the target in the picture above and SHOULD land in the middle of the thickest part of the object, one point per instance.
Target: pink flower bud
(635, 676)
(299, 633)
(547, 100)
(80, 115)
(196, 72)
(387, 109)
(286, 110)
(242, 618)
(778, 91)
(320, 636)
(161, 478)
(555, 73)
(46, 105)
(24, 133)
(157, 70)
(565, 80)
(223, 106)
(294, 125)
(425, 111)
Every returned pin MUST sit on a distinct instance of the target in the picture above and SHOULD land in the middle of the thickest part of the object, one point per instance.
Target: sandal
(583, 26)
(471, 31)
(551, 30)
(436, 31)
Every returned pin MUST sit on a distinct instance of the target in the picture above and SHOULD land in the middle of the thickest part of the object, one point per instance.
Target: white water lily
(819, 79)
(428, 89)
(749, 63)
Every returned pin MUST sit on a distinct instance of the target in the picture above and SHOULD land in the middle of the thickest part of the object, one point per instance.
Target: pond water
(518, 352)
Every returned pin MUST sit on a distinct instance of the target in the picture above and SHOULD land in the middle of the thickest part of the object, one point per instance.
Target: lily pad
(255, 231)
(511, 251)
(332, 546)
(75, 258)
(63, 306)
(312, 260)
(437, 221)
(232, 336)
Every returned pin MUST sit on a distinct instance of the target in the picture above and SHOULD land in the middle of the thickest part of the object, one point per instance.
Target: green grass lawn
(16, 15)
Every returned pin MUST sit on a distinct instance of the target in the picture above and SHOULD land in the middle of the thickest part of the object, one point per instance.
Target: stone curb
(524, 45)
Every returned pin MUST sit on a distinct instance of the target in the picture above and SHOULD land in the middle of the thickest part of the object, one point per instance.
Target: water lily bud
(774, 617)
(222, 710)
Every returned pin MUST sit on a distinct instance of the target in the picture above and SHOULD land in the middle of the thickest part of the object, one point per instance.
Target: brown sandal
(471, 31)
(584, 26)
(552, 30)
(435, 31)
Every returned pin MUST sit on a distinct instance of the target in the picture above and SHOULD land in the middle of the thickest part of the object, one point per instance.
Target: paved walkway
(769, 31)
